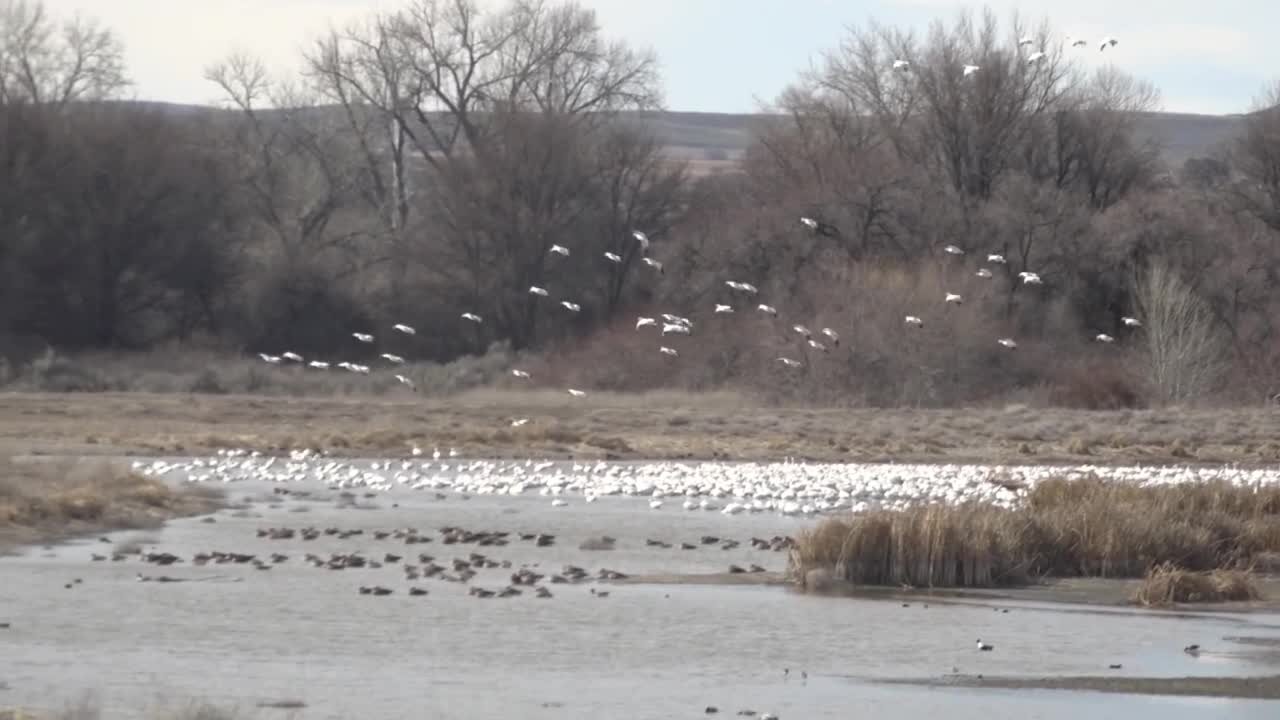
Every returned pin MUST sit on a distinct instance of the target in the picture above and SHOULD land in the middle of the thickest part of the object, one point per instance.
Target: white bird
(914, 321)
(901, 65)
(519, 421)
(675, 328)
(983, 273)
(613, 257)
(362, 369)
(998, 259)
(319, 365)
(1035, 57)
(835, 338)
(407, 382)
(645, 322)
(955, 299)
(642, 239)
(953, 250)
(472, 317)
(400, 327)
(984, 646)
(535, 290)
(768, 309)
(1131, 322)
(789, 362)
(723, 308)
(520, 374)
(653, 264)
(1008, 342)
(655, 504)
(744, 287)
(393, 358)
(1030, 278)
(577, 393)
(291, 356)
(669, 351)
(970, 69)
(817, 345)
(363, 337)
(558, 502)
(570, 306)
(802, 330)
(273, 359)
(560, 250)
(809, 223)
(1104, 338)
(1107, 42)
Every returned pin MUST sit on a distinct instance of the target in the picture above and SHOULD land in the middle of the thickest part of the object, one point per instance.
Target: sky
(730, 55)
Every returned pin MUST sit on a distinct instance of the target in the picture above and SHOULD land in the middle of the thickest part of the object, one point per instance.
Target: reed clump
(1168, 584)
(1063, 528)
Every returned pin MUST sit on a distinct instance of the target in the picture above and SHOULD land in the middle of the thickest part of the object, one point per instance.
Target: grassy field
(661, 425)
(1190, 542)
(44, 501)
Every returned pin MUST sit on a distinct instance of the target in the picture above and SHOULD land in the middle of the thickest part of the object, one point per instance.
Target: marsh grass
(43, 501)
(1065, 528)
(1167, 584)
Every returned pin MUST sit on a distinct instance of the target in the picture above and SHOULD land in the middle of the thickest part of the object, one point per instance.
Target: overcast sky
(728, 55)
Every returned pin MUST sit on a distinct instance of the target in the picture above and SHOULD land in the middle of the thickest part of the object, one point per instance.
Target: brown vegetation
(658, 425)
(43, 500)
(1080, 528)
(427, 159)
(1168, 584)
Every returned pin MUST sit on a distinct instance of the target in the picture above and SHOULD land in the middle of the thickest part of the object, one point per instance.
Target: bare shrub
(1167, 584)
(1184, 345)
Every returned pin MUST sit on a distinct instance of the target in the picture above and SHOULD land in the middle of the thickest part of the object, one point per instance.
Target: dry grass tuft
(41, 501)
(1080, 528)
(1168, 584)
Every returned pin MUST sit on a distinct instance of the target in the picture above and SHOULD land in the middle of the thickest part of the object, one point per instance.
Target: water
(646, 651)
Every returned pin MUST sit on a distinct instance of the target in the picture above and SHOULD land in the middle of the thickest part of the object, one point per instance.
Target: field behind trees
(428, 159)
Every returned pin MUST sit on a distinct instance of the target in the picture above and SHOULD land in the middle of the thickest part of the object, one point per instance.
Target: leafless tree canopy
(429, 157)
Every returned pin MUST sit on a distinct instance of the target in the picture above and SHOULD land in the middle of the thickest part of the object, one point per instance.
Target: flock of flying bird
(674, 325)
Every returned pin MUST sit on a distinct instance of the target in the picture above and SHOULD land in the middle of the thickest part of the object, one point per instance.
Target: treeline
(427, 160)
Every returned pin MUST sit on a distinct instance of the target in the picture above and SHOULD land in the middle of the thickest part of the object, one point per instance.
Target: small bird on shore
(984, 646)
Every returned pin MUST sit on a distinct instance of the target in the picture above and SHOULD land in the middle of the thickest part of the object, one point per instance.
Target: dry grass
(656, 425)
(1083, 528)
(1167, 584)
(43, 501)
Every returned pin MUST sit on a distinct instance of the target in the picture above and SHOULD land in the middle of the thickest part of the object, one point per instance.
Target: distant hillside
(721, 137)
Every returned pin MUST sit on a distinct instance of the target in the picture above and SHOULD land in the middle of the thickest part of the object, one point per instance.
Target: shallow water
(646, 651)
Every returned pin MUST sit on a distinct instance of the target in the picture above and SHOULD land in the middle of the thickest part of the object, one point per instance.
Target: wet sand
(1253, 688)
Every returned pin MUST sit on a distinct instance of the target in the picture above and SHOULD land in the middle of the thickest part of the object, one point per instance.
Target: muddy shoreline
(1242, 688)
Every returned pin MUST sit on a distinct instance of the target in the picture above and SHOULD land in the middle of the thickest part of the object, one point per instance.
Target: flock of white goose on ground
(746, 293)
(800, 489)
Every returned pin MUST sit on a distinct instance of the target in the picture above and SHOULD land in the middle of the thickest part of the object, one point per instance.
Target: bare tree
(1184, 346)
(44, 61)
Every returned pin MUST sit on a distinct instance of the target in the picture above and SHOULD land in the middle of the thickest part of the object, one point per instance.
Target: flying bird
(914, 321)
(1106, 43)
(400, 327)
(645, 322)
(363, 337)
(519, 421)
(318, 365)
(1030, 278)
(983, 273)
(1035, 57)
(769, 309)
(576, 393)
(642, 239)
(819, 227)
(1026, 40)
(472, 317)
(675, 329)
(954, 299)
(901, 65)
(953, 250)
(535, 290)
(817, 345)
(570, 306)
(1131, 322)
(723, 308)
(613, 257)
(653, 264)
(292, 356)
(407, 382)
(789, 362)
(1008, 342)
(998, 259)
(273, 359)
(560, 250)
(520, 374)
(1104, 338)
(802, 330)
(970, 69)
(668, 351)
(832, 335)
(393, 358)
(744, 287)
